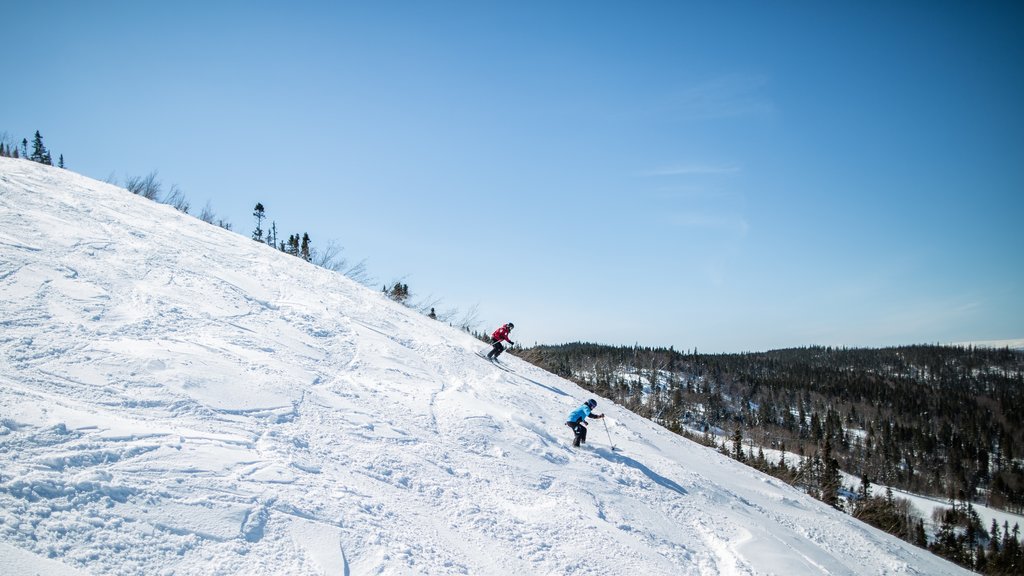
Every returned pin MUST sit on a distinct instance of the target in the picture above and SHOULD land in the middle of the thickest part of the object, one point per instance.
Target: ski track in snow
(171, 402)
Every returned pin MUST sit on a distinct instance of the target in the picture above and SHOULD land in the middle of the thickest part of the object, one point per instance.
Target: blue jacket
(579, 413)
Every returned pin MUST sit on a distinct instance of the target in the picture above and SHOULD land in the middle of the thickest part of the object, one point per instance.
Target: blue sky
(726, 176)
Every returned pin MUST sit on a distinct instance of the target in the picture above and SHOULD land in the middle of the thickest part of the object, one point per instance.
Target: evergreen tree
(304, 252)
(920, 536)
(39, 152)
(737, 446)
(293, 245)
(980, 560)
(832, 479)
(258, 212)
(60, 162)
(946, 542)
(272, 234)
(865, 488)
(993, 538)
(761, 463)
(399, 292)
(1013, 556)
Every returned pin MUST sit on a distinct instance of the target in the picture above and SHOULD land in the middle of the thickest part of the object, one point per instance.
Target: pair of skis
(494, 361)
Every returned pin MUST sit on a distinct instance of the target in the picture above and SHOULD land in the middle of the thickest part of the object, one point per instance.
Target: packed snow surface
(178, 399)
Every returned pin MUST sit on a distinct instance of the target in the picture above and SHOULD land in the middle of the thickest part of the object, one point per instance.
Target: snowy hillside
(178, 399)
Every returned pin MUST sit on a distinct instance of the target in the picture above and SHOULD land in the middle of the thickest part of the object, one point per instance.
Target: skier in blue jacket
(577, 420)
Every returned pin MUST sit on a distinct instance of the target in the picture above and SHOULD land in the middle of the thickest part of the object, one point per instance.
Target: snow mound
(178, 399)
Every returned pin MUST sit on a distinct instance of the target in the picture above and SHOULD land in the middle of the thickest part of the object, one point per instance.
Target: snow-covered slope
(178, 399)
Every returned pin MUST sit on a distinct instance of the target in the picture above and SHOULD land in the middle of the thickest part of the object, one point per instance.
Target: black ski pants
(497, 350)
(580, 430)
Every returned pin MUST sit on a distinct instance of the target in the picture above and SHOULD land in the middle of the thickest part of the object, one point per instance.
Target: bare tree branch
(470, 319)
(207, 215)
(146, 186)
(176, 198)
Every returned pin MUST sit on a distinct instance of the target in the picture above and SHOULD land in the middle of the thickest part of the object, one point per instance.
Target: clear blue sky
(726, 176)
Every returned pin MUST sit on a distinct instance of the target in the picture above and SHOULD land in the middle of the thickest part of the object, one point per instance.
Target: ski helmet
(592, 403)
(510, 325)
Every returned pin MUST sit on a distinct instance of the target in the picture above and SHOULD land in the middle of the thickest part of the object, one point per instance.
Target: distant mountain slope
(175, 398)
(1015, 344)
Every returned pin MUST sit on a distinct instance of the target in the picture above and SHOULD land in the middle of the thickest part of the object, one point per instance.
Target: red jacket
(501, 334)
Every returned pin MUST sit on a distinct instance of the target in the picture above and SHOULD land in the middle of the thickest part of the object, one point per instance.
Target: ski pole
(609, 434)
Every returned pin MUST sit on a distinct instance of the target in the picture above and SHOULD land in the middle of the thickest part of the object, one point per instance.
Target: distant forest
(933, 420)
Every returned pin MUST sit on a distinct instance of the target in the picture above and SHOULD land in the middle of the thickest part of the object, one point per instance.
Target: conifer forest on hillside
(935, 420)
(942, 421)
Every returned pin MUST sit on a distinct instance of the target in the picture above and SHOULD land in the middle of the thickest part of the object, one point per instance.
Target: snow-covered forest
(937, 421)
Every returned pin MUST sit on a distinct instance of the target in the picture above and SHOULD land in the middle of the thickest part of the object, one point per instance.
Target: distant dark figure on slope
(577, 420)
(500, 335)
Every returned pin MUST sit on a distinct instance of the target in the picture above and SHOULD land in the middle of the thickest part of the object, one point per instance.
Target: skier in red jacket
(500, 335)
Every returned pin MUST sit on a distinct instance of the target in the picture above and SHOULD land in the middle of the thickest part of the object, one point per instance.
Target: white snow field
(178, 399)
